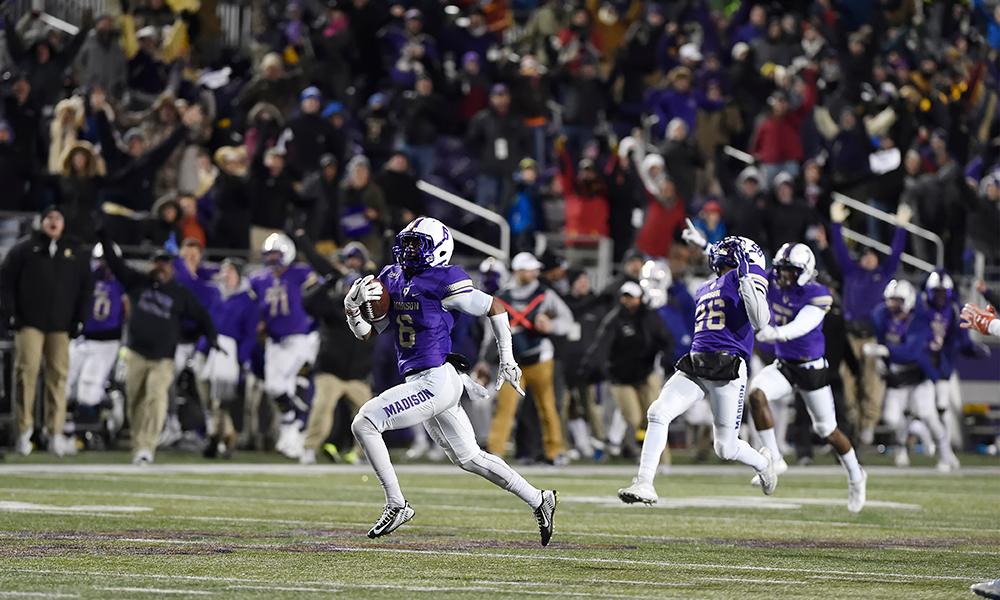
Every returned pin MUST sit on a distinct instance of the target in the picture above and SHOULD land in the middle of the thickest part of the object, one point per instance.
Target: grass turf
(227, 530)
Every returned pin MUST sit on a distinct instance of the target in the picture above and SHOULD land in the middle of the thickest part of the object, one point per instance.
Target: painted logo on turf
(406, 403)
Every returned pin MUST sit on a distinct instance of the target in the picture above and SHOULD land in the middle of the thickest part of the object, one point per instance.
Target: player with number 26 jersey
(730, 309)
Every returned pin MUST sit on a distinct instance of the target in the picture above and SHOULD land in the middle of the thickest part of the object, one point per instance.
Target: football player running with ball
(423, 289)
(799, 306)
(729, 310)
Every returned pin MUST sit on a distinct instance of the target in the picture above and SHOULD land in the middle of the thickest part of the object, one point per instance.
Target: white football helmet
(425, 242)
(98, 252)
(492, 274)
(655, 279)
(797, 256)
(723, 253)
(903, 290)
(281, 244)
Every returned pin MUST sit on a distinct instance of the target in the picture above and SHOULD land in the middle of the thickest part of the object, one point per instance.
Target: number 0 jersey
(419, 324)
(107, 313)
(785, 304)
(721, 323)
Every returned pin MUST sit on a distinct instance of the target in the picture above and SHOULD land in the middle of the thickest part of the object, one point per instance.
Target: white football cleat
(768, 477)
(545, 515)
(24, 443)
(638, 492)
(857, 492)
(308, 457)
(142, 458)
(987, 589)
(902, 458)
(392, 517)
(948, 463)
(780, 468)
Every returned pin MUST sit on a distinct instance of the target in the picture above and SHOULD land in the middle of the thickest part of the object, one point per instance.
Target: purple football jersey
(279, 300)
(895, 333)
(419, 324)
(785, 305)
(942, 321)
(107, 314)
(720, 318)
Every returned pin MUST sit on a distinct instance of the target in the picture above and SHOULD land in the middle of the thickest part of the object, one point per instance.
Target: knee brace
(726, 449)
(824, 429)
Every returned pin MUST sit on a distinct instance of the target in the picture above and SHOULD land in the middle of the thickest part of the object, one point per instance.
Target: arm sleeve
(753, 291)
(316, 299)
(561, 315)
(809, 318)
(597, 352)
(469, 301)
(316, 260)
(898, 243)
(994, 327)
(844, 261)
(193, 310)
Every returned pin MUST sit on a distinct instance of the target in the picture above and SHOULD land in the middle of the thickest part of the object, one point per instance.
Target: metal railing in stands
(592, 252)
(892, 220)
(503, 251)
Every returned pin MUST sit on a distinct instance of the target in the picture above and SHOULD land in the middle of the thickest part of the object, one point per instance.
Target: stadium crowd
(611, 119)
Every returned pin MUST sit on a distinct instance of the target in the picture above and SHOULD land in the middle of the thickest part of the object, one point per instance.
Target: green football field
(188, 528)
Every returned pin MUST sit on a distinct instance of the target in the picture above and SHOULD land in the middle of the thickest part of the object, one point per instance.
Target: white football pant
(284, 359)
(819, 403)
(919, 399)
(90, 364)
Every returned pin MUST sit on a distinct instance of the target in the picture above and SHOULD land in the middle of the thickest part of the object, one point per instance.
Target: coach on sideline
(45, 287)
(159, 303)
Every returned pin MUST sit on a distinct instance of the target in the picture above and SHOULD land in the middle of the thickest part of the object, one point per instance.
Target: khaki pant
(257, 236)
(329, 390)
(863, 393)
(147, 383)
(634, 400)
(536, 379)
(30, 346)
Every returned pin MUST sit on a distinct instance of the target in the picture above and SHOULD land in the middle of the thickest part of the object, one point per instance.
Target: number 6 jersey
(417, 321)
(720, 319)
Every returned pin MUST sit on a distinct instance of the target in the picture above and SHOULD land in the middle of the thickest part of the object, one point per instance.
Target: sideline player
(422, 289)
(730, 308)
(291, 343)
(904, 342)
(799, 306)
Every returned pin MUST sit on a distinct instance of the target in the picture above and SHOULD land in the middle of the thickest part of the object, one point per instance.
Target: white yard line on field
(5, 594)
(185, 592)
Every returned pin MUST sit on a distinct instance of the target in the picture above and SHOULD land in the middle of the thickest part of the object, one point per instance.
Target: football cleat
(392, 517)
(768, 477)
(902, 458)
(856, 493)
(545, 515)
(24, 444)
(308, 457)
(638, 492)
(949, 463)
(780, 467)
(987, 589)
(142, 458)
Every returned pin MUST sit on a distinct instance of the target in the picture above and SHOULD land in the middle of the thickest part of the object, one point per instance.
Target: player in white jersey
(423, 290)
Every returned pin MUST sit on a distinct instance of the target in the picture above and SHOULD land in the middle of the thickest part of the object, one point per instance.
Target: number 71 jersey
(720, 319)
(419, 324)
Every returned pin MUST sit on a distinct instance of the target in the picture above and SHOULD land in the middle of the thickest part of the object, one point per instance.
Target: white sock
(750, 457)
(652, 448)
(378, 456)
(581, 437)
(850, 461)
(494, 469)
(767, 437)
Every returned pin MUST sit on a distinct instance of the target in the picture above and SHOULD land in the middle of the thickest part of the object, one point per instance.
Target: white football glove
(769, 334)
(692, 236)
(871, 349)
(511, 373)
(839, 212)
(362, 290)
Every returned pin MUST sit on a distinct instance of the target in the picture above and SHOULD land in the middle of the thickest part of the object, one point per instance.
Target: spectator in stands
(777, 142)
(585, 194)
(229, 197)
(363, 213)
(378, 136)
(471, 89)
(321, 201)
(423, 118)
(399, 187)
(786, 218)
(682, 160)
(45, 291)
(271, 85)
(101, 61)
(22, 112)
(710, 223)
(583, 417)
(308, 135)
(501, 141)
(189, 225)
(272, 196)
(159, 303)
(15, 171)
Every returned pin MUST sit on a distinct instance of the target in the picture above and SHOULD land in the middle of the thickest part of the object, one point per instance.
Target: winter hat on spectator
(527, 163)
(146, 32)
(750, 172)
(133, 133)
(354, 250)
(51, 208)
(552, 260)
(271, 59)
(499, 89)
(333, 108)
(784, 178)
(327, 159)
(712, 206)
(310, 92)
(573, 274)
(525, 261)
(235, 263)
(471, 56)
(413, 14)
(740, 50)
(690, 52)
(358, 160)
(378, 99)
(265, 110)
(631, 288)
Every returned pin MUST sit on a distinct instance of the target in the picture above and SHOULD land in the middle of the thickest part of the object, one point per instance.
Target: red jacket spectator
(586, 196)
(778, 137)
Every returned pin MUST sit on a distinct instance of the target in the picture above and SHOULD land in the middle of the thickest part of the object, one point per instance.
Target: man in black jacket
(344, 362)
(628, 342)
(45, 286)
(158, 305)
(502, 143)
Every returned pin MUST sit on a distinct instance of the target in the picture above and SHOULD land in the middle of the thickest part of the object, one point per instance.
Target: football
(376, 310)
